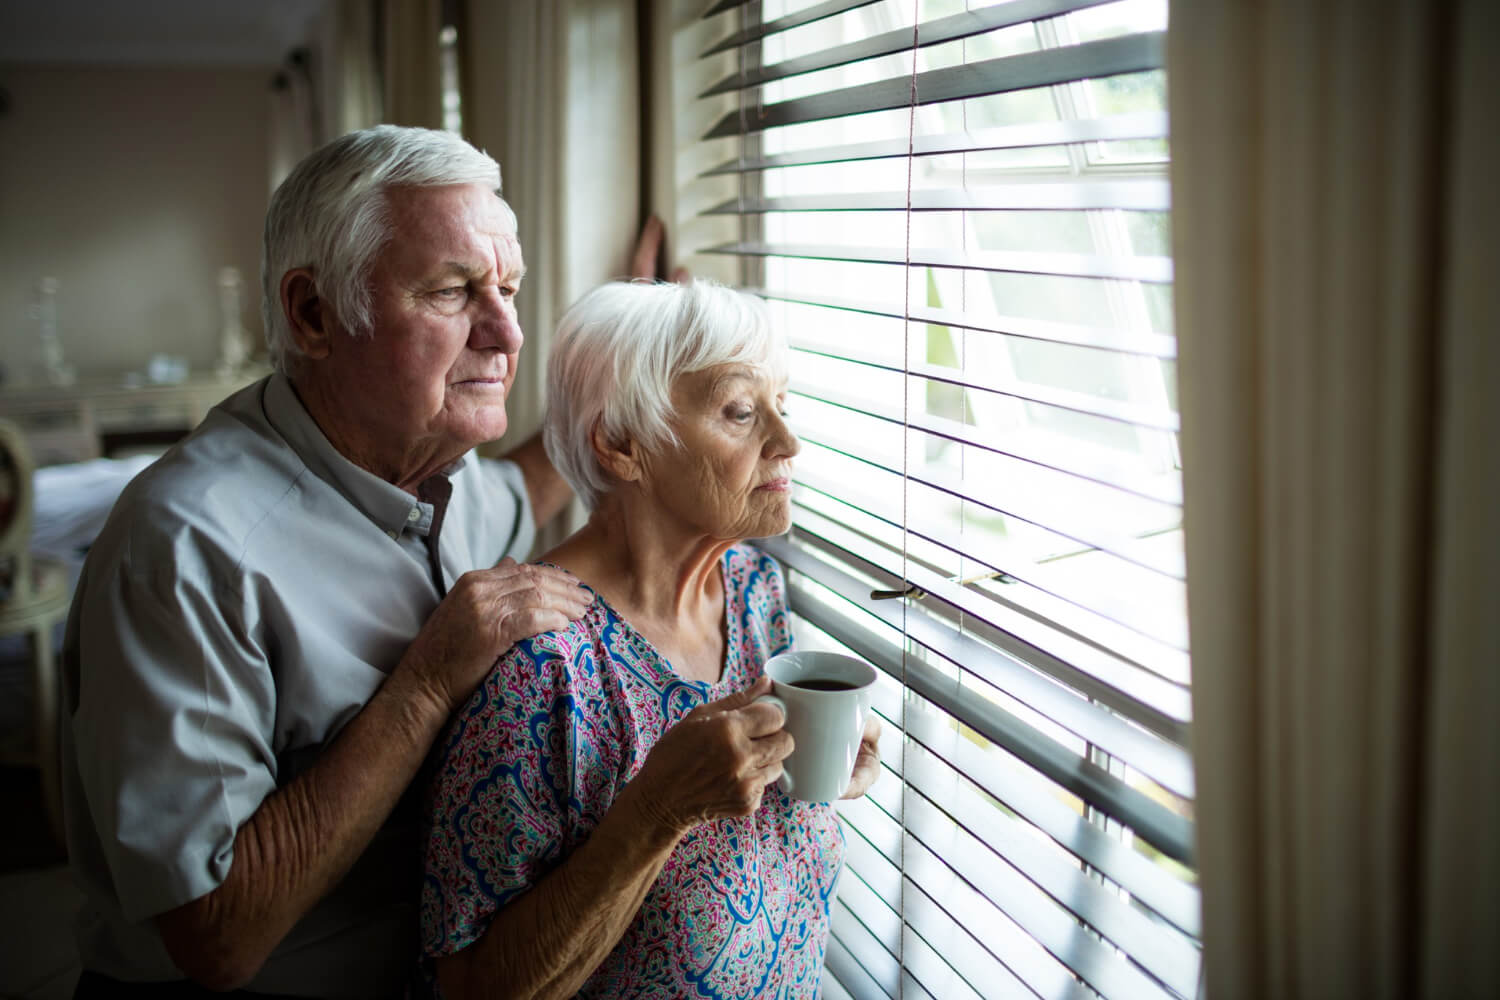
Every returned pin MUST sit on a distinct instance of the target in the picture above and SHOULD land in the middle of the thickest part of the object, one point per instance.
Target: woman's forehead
(734, 375)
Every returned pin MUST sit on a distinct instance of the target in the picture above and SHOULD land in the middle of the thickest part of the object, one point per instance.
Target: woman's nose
(783, 442)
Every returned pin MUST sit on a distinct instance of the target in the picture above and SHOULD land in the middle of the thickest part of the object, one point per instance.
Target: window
(959, 212)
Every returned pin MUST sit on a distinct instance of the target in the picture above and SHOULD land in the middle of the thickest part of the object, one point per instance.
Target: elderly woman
(604, 819)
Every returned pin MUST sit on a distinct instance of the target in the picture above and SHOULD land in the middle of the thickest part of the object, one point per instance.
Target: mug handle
(785, 782)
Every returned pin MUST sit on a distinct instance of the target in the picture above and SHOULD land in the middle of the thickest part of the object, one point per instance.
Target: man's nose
(496, 324)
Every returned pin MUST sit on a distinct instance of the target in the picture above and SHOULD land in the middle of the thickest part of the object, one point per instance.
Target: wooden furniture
(33, 601)
(104, 417)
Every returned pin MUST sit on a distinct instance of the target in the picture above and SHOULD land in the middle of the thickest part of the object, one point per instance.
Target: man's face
(431, 382)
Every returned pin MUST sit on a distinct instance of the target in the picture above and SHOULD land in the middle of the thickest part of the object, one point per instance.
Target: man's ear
(306, 312)
(621, 459)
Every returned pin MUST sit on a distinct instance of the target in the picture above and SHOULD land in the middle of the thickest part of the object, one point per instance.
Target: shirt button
(414, 515)
(391, 535)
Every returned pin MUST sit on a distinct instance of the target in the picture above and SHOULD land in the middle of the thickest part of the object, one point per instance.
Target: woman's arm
(547, 942)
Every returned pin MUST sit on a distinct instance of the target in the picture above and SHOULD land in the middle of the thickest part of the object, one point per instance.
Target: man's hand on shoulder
(487, 612)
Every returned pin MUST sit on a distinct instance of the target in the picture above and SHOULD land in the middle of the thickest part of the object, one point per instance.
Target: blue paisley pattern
(534, 760)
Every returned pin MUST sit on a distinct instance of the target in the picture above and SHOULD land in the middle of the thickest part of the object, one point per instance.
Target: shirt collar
(387, 505)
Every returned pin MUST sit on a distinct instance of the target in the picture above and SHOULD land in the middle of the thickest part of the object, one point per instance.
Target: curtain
(551, 92)
(293, 116)
(1333, 232)
(348, 68)
(413, 62)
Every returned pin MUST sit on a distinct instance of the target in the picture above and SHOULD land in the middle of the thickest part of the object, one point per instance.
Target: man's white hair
(619, 349)
(330, 215)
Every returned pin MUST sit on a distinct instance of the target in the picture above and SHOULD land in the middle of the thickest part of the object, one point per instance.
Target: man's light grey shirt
(248, 594)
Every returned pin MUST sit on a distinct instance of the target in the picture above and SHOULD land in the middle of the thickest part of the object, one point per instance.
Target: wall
(132, 186)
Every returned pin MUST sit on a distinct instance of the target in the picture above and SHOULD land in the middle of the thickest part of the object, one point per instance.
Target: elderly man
(281, 614)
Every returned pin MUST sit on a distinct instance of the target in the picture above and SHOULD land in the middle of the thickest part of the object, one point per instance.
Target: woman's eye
(739, 414)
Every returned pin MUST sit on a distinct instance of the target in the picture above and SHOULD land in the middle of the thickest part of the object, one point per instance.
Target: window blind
(958, 212)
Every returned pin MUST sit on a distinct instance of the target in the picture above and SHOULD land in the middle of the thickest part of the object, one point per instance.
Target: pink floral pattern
(534, 760)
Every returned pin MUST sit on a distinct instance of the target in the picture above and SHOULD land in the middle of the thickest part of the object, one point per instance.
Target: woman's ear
(306, 313)
(620, 458)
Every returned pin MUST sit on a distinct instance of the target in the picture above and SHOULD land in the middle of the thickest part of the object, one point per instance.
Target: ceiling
(155, 32)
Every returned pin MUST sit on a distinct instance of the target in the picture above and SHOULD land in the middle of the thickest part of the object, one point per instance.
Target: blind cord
(911, 133)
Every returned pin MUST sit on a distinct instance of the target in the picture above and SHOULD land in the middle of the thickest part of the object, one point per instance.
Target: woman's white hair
(330, 215)
(619, 349)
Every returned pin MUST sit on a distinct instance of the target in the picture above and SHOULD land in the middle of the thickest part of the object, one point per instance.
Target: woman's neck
(646, 567)
(666, 584)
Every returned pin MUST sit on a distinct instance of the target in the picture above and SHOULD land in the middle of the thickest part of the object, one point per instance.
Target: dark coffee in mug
(819, 684)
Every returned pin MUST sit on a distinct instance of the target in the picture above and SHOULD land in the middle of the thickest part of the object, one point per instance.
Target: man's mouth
(489, 378)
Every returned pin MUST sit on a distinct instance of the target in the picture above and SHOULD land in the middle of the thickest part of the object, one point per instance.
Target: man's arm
(305, 836)
(548, 490)
(546, 942)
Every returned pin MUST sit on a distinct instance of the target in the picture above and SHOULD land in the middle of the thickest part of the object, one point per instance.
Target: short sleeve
(500, 806)
(174, 715)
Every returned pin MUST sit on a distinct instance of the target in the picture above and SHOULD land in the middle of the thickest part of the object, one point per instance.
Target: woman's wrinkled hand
(867, 763)
(716, 762)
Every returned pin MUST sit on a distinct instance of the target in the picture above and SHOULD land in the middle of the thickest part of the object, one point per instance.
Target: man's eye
(506, 291)
(455, 292)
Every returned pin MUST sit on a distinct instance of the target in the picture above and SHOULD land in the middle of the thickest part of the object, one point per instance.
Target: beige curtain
(412, 67)
(348, 72)
(1334, 231)
(294, 129)
(551, 92)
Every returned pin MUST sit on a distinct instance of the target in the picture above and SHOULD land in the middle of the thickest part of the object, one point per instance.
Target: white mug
(826, 719)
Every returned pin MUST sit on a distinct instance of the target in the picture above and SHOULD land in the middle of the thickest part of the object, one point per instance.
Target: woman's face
(730, 477)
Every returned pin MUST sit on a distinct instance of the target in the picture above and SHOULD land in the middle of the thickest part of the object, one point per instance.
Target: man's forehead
(459, 224)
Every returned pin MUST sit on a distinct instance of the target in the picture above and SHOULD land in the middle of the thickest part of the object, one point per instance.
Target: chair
(33, 600)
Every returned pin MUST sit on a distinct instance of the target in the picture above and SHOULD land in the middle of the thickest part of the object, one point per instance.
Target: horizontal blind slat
(947, 29)
(1001, 938)
(1009, 567)
(1134, 342)
(944, 798)
(866, 949)
(1159, 948)
(1119, 411)
(1133, 125)
(1148, 270)
(1151, 195)
(1166, 763)
(1035, 514)
(764, 29)
(1086, 60)
(955, 430)
(933, 847)
(1146, 698)
(1164, 830)
(939, 478)
(1040, 807)
(1058, 931)
(851, 975)
(932, 741)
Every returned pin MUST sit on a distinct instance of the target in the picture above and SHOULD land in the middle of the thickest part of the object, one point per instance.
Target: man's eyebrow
(454, 267)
